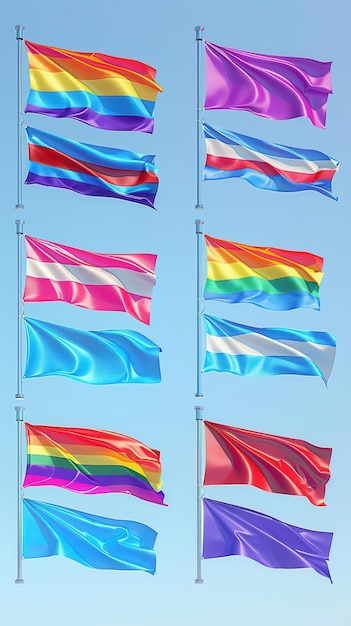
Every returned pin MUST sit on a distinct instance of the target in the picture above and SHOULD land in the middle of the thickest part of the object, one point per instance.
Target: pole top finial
(199, 30)
(19, 31)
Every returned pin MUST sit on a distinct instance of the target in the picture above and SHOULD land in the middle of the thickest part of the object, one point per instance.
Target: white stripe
(254, 344)
(219, 149)
(134, 282)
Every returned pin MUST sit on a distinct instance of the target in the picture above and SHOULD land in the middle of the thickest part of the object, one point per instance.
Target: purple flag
(279, 88)
(233, 530)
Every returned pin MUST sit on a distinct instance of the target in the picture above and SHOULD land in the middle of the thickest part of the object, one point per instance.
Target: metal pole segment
(19, 231)
(199, 30)
(19, 418)
(199, 514)
(199, 224)
(19, 37)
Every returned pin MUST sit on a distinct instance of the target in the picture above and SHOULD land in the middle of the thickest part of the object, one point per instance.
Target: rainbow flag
(100, 90)
(102, 282)
(92, 461)
(268, 277)
(90, 170)
(267, 165)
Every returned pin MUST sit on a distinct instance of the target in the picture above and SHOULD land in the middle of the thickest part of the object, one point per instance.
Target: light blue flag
(250, 351)
(94, 541)
(100, 357)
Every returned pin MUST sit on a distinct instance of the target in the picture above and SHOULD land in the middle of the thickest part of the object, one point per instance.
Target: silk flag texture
(102, 282)
(91, 461)
(91, 540)
(250, 351)
(90, 170)
(279, 88)
(100, 90)
(99, 357)
(234, 530)
(271, 278)
(266, 165)
(235, 456)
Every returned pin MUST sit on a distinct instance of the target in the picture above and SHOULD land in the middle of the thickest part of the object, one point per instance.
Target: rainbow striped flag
(100, 90)
(92, 461)
(102, 282)
(90, 170)
(267, 165)
(268, 277)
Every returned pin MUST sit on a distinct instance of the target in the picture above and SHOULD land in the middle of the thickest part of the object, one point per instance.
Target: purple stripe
(105, 122)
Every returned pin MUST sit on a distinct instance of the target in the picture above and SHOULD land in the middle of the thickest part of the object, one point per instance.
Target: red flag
(235, 456)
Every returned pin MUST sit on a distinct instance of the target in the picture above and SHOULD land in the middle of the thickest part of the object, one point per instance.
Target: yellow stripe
(63, 81)
(232, 271)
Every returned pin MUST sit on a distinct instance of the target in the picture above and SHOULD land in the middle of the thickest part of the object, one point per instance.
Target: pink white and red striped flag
(103, 282)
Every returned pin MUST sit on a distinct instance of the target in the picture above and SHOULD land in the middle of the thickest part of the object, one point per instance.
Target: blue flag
(233, 530)
(98, 542)
(98, 357)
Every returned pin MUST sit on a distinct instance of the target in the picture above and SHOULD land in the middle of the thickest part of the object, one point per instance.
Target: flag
(279, 88)
(99, 357)
(92, 461)
(94, 541)
(90, 170)
(235, 456)
(266, 165)
(271, 278)
(102, 282)
(100, 90)
(233, 530)
(250, 351)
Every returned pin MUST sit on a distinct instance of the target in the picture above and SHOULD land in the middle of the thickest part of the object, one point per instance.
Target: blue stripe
(247, 365)
(104, 105)
(271, 183)
(275, 302)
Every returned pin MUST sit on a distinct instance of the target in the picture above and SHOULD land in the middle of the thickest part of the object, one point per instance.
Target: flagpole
(19, 37)
(19, 419)
(199, 394)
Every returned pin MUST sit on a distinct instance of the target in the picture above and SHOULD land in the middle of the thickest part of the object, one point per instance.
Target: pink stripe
(96, 297)
(50, 252)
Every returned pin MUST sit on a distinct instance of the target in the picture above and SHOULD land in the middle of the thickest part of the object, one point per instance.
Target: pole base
(199, 207)
(19, 206)
(19, 396)
(19, 581)
(199, 581)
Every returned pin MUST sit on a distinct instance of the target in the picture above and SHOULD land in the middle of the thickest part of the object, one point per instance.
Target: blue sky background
(162, 34)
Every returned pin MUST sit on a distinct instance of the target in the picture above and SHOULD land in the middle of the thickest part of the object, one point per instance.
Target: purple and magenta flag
(267, 165)
(102, 282)
(90, 170)
(91, 461)
(233, 530)
(100, 90)
(279, 88)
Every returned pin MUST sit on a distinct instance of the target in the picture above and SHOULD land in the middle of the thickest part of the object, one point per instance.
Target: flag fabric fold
(99, 357)
(91, 540)
(267, 165)
(233, 530)
(251, 351)
(276, 87)
(102, 282)
(103, 91)
(235, 456)
(90, 170)
(268, 277)
(91, 461)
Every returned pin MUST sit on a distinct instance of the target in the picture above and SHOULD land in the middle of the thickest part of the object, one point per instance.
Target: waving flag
(235, 456)
(102, 282)
(233, 530)
(91, 540)
(266, 165)
(90, 170)
(268, 277)
(250, 351)
(92, 461)
(98, 357)
(100, 90)
(276, 87)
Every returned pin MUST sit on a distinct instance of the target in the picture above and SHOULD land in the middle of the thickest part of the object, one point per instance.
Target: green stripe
(90, 470)
(254, 283)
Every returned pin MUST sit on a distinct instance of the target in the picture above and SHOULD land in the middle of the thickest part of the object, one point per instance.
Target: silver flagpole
(19, 231)
(199, 394)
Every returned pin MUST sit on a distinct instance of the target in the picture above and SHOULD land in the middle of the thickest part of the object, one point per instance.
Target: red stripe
(223, 163)
(123, 178)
